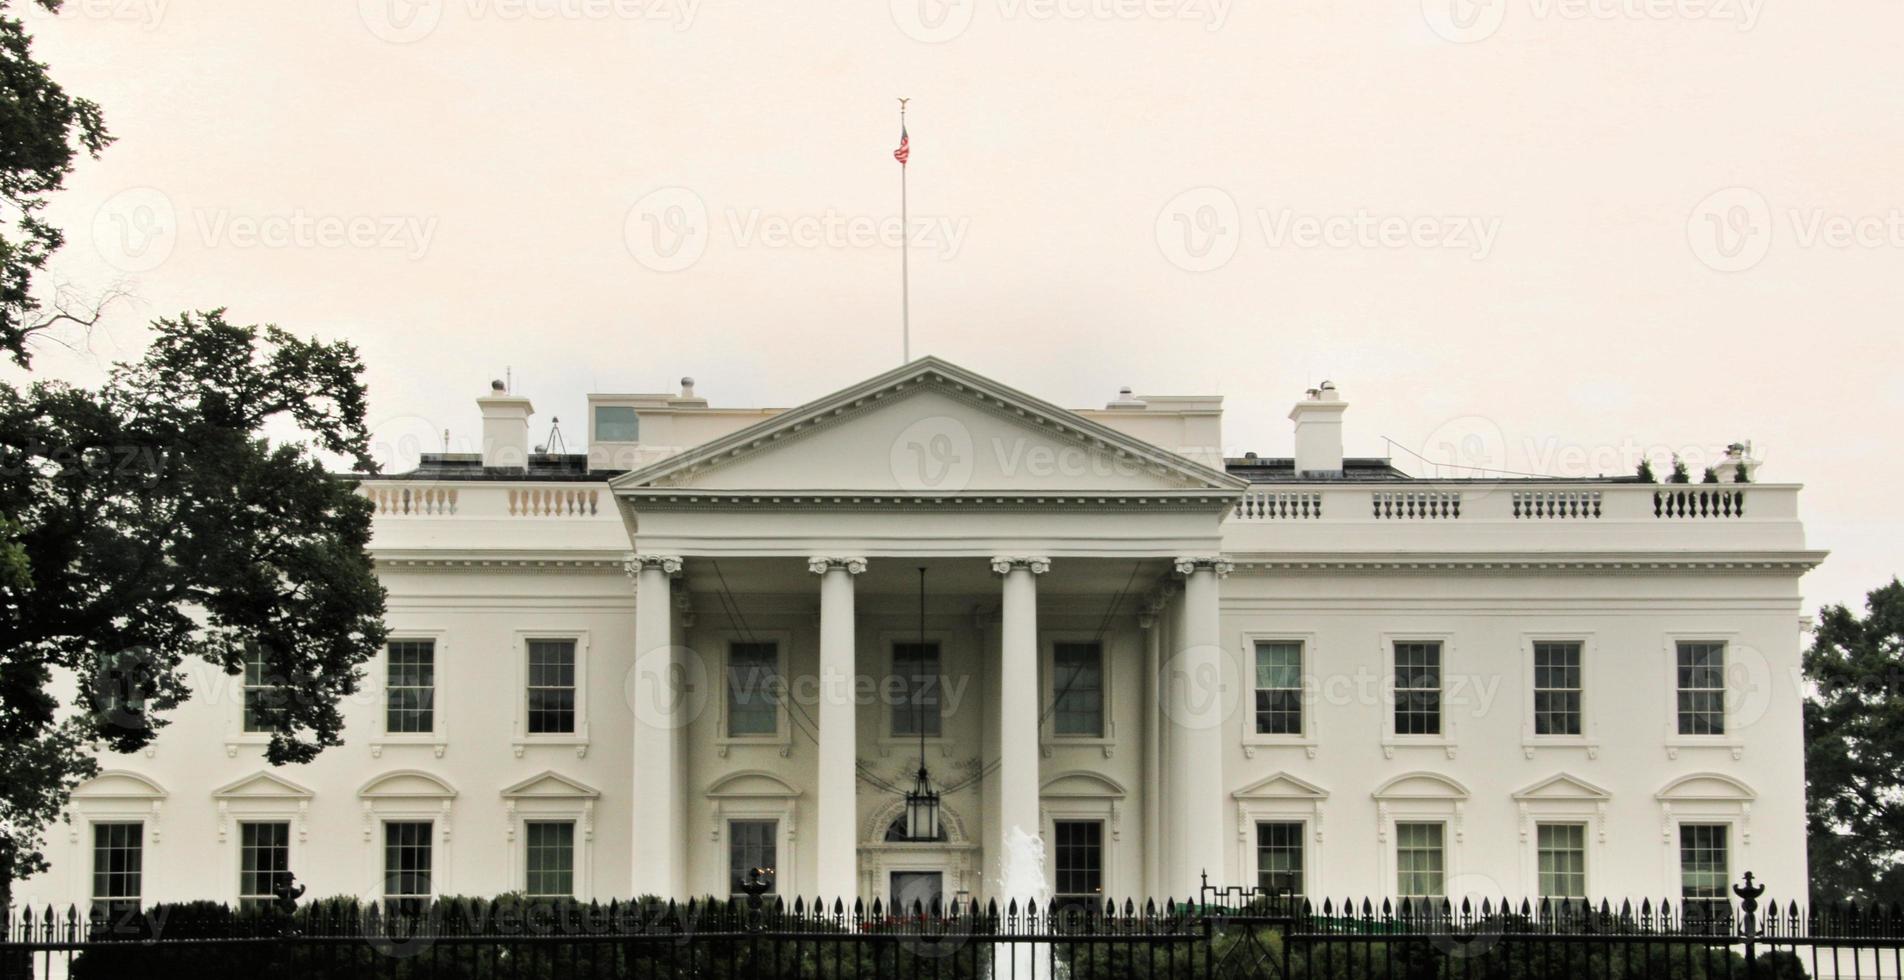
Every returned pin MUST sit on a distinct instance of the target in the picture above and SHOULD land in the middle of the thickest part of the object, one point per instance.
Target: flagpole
(905, 257)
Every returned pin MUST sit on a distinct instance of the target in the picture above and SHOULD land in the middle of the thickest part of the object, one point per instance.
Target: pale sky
(1556, 232)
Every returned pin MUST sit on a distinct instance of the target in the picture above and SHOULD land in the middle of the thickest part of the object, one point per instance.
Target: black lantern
(922, 804)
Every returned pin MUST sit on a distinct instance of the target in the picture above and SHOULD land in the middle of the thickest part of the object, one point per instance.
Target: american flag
(905, 146)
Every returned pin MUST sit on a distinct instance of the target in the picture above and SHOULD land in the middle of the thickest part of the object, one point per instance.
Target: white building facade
(708, 646)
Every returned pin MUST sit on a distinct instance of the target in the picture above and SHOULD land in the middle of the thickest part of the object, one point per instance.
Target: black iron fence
(1219, 935)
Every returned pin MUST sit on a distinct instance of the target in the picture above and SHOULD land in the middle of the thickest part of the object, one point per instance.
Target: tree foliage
(152, 527)
(42, 131)
(1854, 751)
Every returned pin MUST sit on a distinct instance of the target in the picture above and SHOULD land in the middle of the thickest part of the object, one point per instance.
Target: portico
(799, 541)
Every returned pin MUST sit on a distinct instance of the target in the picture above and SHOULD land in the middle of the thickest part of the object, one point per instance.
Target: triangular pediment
(929, 428)
(1281, 786)
(1562, 786)
(261, 785)
(549, 784)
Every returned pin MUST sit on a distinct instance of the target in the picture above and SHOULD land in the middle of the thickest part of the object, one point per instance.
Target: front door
(922, 888)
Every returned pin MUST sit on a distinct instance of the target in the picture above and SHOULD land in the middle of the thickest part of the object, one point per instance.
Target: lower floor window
(1563, 860)
(1420, 860)
(550, 862)
(1279, 858)
(264, 857)
(1704, 872)
(1079, 850)
(750, 844)
(406, 865)
(118, 866)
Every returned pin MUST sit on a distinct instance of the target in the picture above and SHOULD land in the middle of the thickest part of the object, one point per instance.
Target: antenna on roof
(508, 379)
(554, 444)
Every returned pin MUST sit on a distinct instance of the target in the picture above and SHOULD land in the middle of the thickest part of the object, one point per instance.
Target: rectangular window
(406, 865)
(551, 687)
(1420, 862)
(262, 696)
(410, 688)
(1077, 686)
(118, 866)
(750, 844)
(1556, 688)
(753, 689)
(1562, 849)
(915, 710)
(1418, 688)
(617, 423)
(1079, 853)
(550, 859)
(1702, 688)
(1279, 858)
(1279, 688)
(1704, 872)
(264, 855)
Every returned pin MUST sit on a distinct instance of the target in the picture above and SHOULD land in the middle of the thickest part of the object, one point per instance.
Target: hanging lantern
(922, 809)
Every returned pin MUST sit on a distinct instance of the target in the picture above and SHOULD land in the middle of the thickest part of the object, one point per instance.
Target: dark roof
(546, 467)
(1268, 469)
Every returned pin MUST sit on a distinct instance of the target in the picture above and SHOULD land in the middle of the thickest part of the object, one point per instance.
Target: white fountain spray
(1022, 879)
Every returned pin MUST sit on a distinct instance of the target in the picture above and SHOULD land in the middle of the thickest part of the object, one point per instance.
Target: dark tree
(151, 525)
(1680, 473)
(42, 131)
(1645, 472)
(1854, 751)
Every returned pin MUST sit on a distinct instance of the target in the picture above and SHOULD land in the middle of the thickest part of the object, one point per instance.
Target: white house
(699, 649)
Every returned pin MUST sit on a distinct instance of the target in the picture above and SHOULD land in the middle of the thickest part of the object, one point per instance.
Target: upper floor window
(264, 856)
(1701, 688)
(410, 687)
(1418, 688)
(118, 866)
(753, 678)
(1279, 857)
(617, 423)
(1077, 684)
(1279, 688)
(1420, 860)
(1562, 851)
(551, 687)
(915, 708)
(263, 696)
(1556, 688)
(549, 859)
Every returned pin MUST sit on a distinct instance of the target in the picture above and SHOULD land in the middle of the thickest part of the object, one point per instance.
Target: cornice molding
(680, 498)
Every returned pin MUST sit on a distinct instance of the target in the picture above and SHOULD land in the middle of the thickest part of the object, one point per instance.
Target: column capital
(821, 565)
(1005, 563)
(633, 564)
(1205, 563)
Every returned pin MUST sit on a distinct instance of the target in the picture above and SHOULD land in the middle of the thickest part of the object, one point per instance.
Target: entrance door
(925, 888)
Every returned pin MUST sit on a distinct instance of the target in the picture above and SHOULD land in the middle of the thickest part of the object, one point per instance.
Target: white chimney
(505, 427)
(1318, 419)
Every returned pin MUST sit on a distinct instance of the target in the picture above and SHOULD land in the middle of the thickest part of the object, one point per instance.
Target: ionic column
(657, 696)
(1150, 620)
(1018, 722)
(836, 825)
(1195, 713)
